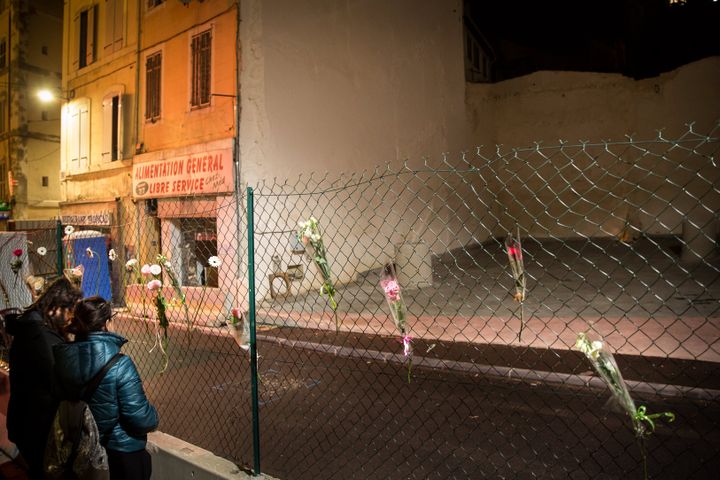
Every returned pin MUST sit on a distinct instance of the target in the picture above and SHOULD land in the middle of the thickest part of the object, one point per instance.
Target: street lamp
(46, 95)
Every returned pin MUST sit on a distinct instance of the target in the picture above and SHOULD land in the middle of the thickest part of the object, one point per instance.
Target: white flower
(155, 269)
(130, 264)
(41, 251)
(69, 229)
(89, 252)
(214, 261)
(112, 255)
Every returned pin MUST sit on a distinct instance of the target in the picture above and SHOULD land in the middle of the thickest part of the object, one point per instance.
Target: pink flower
(17, 252)
(235, 311)
(153, 285)
(145, 270)
(407, 347)
(392, 290)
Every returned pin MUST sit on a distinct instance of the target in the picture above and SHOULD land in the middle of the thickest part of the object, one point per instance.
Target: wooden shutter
(91, 29)
(107, 120)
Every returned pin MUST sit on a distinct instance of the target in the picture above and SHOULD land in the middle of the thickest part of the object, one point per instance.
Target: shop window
(78, 136)
(85, 31)
(114, 25)
(201, 47)
(200, 242)
(153, 68)
(112, 139)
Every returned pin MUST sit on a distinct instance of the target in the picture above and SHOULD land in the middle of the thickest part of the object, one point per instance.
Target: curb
(523, 374)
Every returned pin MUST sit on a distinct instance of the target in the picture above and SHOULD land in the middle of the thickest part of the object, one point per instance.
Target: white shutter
(106, 148)
(120, 138)
(73, 139)
(84, 120)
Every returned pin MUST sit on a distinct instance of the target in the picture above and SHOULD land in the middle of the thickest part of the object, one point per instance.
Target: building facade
(149, 129)
(29, 128)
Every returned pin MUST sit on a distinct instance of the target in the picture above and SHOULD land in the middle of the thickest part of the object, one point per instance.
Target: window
(3, 53)
(44, 115)
(112, 139)
(78, 136)
(200, 237)
(44, 50)
(153, 68)
(45, 181)
(201, 44)
(85, 37)
(114, 26)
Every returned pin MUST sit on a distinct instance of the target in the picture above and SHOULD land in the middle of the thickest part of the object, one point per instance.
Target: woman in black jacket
(33, 399)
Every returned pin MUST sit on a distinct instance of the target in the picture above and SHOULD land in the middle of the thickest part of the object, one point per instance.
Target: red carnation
(17, 252)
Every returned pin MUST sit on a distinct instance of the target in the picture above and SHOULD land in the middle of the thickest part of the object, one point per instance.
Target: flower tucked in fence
(42, 251)
(112, 256)
(398, 310)
(240, 328)
(311, 237)
(514, 253)
(164, 263)
(16, 262)
(606, 366)
(154, 285)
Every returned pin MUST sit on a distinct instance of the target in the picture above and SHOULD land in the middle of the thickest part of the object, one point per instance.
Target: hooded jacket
(33, 400)
(122, 412)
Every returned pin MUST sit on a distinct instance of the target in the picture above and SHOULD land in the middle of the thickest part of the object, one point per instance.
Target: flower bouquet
(311, 237)
(398, 310)
(606, 366)
(514, 253)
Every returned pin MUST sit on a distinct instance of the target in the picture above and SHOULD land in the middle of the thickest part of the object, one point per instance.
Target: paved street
(333, 416)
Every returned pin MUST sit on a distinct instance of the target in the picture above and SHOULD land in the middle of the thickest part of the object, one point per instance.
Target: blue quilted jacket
(122, 412)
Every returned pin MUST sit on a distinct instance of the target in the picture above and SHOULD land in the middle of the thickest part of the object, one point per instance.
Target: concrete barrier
(175, 459)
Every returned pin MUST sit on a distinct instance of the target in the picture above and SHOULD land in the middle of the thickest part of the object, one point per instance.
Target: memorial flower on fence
(398, 310)
(92, 254)
(240, 328)
(154, 286)
(16, 262)
(515, 257)
(605, 365)
(311, 237)
(175, 282)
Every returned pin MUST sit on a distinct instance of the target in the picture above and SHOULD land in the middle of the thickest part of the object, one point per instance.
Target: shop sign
(102, 219)
(202, 173)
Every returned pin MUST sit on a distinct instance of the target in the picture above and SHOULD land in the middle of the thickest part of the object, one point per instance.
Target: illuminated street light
(45, 95)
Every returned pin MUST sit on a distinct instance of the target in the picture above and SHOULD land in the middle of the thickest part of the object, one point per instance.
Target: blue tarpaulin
(96, 279)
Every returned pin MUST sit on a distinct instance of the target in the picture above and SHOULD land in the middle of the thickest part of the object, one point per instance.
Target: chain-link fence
(421, 322)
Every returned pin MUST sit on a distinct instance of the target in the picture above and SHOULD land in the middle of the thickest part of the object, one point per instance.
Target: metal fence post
(253, 343)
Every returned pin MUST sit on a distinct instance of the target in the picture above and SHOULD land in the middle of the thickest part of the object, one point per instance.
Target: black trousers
(129, 466)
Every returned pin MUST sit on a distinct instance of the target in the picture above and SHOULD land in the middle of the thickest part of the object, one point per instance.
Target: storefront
(191, 191)
(95, 228)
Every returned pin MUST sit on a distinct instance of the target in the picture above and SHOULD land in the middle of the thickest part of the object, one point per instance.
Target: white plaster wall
(342, 87)
(345, 86)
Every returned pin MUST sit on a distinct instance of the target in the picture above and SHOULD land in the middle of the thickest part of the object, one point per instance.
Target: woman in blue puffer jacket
(123, 414)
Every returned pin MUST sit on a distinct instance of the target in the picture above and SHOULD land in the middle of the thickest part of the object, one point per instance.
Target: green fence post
(253, 343)
(59, 246)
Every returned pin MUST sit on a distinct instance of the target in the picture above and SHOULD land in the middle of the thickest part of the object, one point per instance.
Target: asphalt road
(325, 416)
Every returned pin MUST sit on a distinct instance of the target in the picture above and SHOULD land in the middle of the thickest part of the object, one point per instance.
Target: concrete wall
(654, 188)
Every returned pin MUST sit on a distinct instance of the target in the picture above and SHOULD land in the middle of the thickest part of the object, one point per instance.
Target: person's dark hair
(60, 295)
(90, 316)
